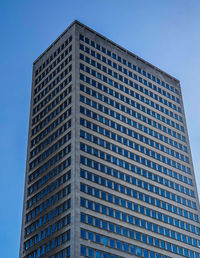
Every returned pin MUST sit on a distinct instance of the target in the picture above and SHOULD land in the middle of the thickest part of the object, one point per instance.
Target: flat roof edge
(127, 51)
(110, 41)
(55, 41)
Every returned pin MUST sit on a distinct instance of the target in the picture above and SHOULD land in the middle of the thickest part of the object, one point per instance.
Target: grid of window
(106, 169)
(48, 217)
(120, 139)
(156, 215)
(123, 231)
(133, 135)
(47, 232)
(47, 190)
(128, 131)
(172, 196)
(116, 94)
(127, 191)
(140, 97)
(128, 64)
(62, 254)
(118, 116)
(49, 164)
(127, 165)
(47, 203)
(53, 65)
(59, 77)
(51, 94)
(51, 127)
(94, 253)
(137, 106)
(45, 154)
(53, 56)
(126, 247)
(123, 163)
(50, 139)
(57, 170)
(140, 88)
(51, 106)
(124, 130)
(59, 155)
(100, 208)
(122, 151)
(52, 115)
(50, 245)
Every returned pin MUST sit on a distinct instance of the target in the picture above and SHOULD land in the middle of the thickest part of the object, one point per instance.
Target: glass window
(83, 250)
(119, 245)
(90, 253)
(132, 249)
(105, 240)
(90, 236)
(83, 233)
(139, 251)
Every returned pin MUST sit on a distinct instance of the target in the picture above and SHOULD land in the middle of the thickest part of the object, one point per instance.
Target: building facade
(109, 170)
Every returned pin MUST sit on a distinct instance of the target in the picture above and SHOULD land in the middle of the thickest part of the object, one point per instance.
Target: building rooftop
(110, 41)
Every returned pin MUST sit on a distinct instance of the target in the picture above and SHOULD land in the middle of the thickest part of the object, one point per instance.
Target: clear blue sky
(165, 33)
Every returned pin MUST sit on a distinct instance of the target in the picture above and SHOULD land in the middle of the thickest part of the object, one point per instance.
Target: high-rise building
(109, 169)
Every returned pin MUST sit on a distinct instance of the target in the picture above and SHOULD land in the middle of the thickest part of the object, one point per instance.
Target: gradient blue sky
(165, 33)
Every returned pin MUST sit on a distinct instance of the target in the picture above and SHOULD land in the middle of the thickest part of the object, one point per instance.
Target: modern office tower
(109, 168)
